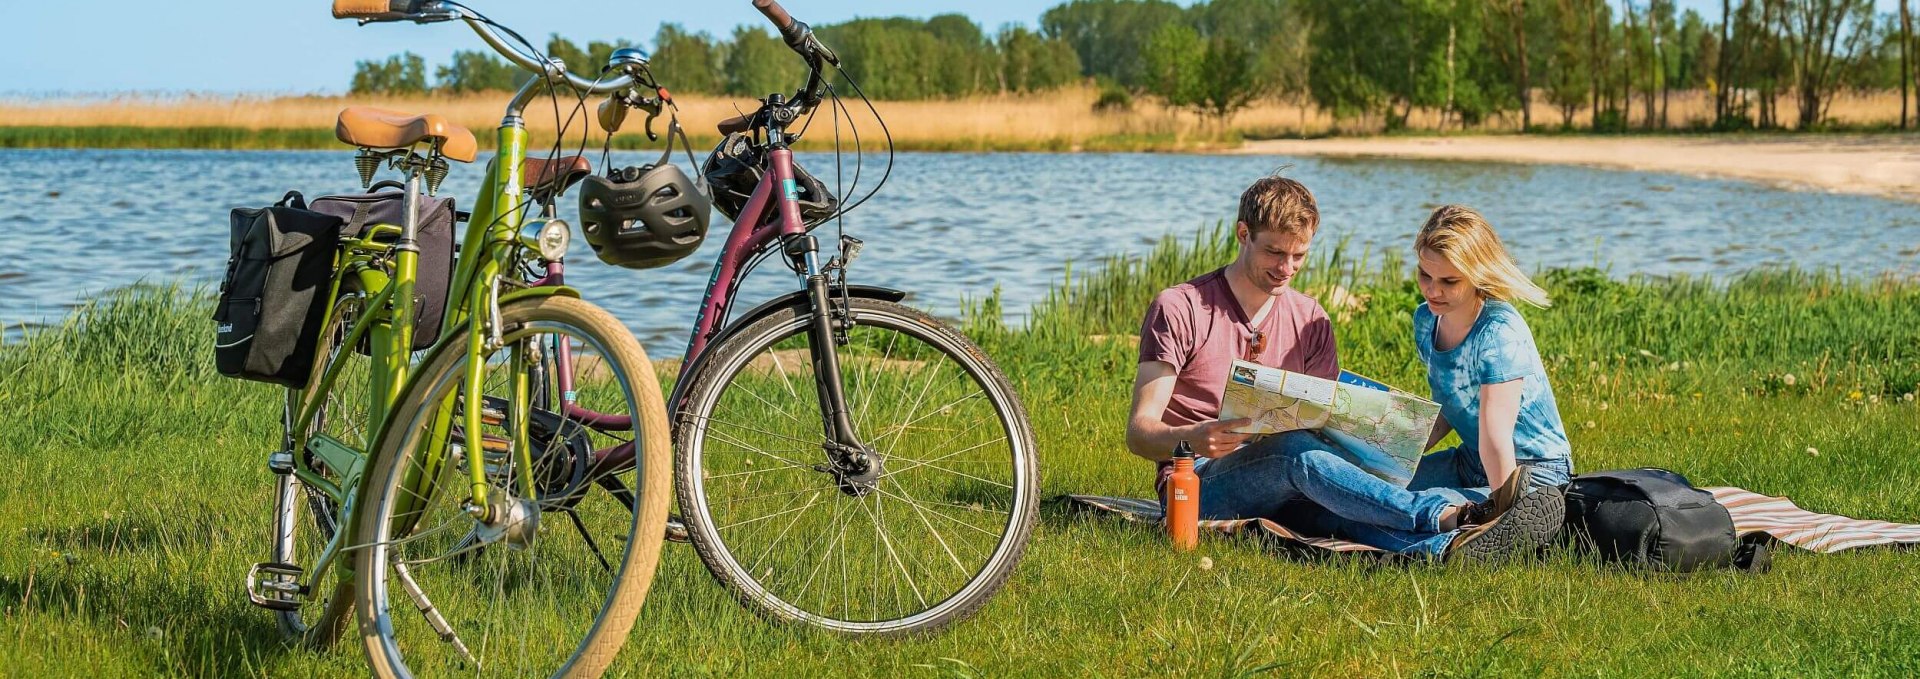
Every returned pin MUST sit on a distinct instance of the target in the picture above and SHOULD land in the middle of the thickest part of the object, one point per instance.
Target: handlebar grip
(736, 123)
(372, 9)
(775, 13)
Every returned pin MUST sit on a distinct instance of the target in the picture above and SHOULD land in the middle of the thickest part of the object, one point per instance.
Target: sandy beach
(1881, 165)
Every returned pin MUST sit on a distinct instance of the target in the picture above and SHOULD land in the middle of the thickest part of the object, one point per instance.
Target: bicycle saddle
(377, 128)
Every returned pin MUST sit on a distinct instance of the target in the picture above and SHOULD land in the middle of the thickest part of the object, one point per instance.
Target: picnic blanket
(1752, 513)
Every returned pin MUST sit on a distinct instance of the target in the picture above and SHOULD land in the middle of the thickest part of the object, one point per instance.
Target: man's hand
(1216, 439)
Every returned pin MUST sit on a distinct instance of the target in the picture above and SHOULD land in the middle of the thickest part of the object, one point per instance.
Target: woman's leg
(1344, 489)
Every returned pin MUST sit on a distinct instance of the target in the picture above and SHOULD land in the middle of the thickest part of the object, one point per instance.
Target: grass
(1062, 120)
(137, 497)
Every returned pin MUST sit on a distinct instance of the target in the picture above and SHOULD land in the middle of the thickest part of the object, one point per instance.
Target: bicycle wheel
(935, 534)
(550, 582)
(300, 540)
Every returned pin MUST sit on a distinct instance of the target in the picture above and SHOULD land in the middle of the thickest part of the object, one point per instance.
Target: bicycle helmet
(643, 217)
(734, 169)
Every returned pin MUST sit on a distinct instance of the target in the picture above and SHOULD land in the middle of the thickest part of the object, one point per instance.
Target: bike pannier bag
(273, 298)
(1650, 518)
(434, 275)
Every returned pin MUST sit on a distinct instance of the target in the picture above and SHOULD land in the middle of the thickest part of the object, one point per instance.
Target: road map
(1384, 432)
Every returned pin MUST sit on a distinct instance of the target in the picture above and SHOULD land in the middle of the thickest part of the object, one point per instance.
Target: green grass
(137, 495)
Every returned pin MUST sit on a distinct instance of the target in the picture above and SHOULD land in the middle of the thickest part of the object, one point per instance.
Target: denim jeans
(1263, 479)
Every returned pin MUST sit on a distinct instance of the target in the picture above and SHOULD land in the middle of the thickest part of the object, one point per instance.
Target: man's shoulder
(1189, 293)
(1302, 305)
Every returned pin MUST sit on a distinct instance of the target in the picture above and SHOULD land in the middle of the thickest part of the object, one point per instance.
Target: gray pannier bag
(433, 276)
(273, 298)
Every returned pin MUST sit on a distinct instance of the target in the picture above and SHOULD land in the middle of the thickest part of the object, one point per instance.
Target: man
(1193, 332)
(1248, 310)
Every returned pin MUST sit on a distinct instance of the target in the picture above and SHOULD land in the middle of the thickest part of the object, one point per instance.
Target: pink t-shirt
(1199, 328)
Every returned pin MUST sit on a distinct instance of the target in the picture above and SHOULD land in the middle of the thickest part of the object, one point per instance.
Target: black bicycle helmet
(643, 217)
(734, 169)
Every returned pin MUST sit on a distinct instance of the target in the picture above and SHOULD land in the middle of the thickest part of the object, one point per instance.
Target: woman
(1487, 376)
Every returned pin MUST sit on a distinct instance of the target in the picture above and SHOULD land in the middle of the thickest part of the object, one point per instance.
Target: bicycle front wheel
(545, 580)
(923, 543)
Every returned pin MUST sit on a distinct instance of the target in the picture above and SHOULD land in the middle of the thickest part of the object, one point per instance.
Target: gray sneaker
(1528, 524)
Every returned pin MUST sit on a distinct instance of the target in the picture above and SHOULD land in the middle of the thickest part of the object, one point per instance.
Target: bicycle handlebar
(775, 13)
(434, 11)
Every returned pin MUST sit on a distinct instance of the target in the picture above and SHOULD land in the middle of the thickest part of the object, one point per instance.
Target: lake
(953, 226)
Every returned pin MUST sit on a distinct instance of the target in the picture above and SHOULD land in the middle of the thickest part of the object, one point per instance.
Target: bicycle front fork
(855, 466)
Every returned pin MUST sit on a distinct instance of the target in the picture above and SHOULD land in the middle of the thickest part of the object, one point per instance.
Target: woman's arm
(1499, 411)
(1441, 428)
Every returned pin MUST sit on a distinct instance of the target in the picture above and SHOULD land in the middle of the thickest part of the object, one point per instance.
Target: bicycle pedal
(677, 531)
(276, 586)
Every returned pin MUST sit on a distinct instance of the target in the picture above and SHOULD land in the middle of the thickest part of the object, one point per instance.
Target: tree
(472, 71)
(759, 63)
(1906, 60)
(1110, 36)
(1227, 81)
(687, 62)
(1827, 36)
(1030, 62)
(404, 73)
(1173, 56)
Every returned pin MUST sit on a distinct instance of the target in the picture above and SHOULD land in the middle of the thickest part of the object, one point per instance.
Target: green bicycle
(457, 485)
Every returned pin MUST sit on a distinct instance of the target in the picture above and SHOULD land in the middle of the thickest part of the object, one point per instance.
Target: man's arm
(1153, 439)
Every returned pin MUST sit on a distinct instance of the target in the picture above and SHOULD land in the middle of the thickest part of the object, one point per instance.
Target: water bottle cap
(1182, 451)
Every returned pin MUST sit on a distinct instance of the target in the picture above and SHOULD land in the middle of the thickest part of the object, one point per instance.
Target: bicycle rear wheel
(938, 531)
(549, 582)
(305, 518)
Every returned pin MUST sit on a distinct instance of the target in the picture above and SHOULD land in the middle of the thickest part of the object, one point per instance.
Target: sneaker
(1499, 501)
(1526, 526)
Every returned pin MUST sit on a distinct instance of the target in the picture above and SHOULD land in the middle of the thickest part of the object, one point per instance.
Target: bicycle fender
(542, 291)
(764, 309)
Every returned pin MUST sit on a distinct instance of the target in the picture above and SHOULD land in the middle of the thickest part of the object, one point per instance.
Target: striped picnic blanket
(1752, 513)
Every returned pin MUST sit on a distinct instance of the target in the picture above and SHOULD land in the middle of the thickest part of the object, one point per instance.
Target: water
(949, 227)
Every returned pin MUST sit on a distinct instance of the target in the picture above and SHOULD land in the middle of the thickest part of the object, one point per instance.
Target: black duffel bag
(1656, 520)
(434, 274)
(273, 298)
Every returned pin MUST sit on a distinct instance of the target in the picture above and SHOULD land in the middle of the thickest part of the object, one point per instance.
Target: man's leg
(1252, 483)
(1392, 540)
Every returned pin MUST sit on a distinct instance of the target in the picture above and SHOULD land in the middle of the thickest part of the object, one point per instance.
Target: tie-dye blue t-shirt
(1498, 349)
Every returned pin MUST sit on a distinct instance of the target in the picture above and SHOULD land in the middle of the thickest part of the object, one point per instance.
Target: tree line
(1596, 63)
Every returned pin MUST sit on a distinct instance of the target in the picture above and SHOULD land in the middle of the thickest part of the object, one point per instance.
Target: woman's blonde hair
(1462, 236)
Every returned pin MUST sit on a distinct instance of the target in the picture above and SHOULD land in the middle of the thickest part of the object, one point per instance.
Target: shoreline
(1884, 165)
(1881, 165)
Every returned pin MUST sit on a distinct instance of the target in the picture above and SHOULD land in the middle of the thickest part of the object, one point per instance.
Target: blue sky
(274, 46)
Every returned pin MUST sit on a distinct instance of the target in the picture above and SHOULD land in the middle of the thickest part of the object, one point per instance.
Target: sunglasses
(1255, 345)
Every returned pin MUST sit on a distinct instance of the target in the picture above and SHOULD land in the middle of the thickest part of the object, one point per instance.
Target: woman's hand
(1216, 439)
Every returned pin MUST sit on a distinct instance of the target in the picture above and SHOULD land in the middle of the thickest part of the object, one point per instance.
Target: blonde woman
(1498, 492)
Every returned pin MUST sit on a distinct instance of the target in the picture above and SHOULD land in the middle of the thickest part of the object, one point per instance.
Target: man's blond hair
(1460, 235)
(1276, 203)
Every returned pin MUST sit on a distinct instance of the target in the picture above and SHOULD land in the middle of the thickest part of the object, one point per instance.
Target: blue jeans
(1261, 480)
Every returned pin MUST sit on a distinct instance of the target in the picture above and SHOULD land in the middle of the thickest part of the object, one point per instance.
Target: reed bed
(1063, 120)
(137, 489)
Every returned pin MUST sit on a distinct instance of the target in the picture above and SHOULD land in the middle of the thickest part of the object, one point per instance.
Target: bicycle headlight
(548, 237)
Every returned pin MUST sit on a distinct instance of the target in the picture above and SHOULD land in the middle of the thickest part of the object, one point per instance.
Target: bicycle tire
(293, 497)
(696, 470)
(434, 389)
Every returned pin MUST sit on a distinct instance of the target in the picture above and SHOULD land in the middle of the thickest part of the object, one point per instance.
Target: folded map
(1383, 432)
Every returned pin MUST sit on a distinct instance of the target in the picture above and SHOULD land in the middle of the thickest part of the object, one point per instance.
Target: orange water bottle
(1183, 500)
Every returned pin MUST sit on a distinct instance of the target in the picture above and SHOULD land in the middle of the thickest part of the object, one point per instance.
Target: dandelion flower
(1813, 451)
(1206, 563)
(1788, 380)
(1908, 397)
(1591, 425)
(1603, 405)
(1853, 395)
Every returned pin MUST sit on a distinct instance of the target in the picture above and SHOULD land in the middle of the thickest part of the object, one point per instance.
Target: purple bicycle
(842, 460)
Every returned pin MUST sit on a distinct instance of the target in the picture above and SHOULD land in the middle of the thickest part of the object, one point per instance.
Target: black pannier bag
(1654, 519)
(274, 295)
(434, 275)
